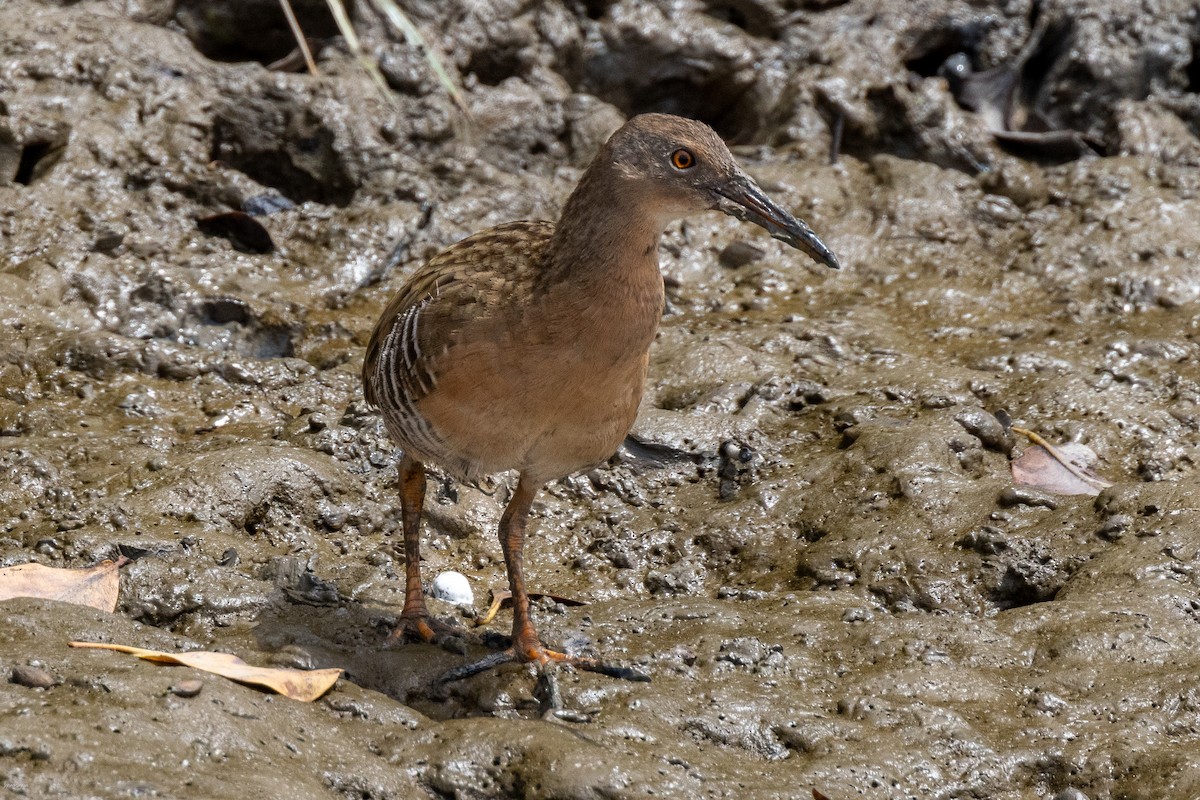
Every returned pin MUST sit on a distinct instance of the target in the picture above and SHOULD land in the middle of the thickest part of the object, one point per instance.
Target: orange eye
(683, 159)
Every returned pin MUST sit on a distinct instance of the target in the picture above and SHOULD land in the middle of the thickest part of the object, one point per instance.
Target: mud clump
(811, 542)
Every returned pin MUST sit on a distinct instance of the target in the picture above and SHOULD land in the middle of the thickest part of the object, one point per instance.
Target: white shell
(453, 587)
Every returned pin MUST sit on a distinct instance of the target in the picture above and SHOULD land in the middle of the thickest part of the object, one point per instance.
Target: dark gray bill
(741, 198)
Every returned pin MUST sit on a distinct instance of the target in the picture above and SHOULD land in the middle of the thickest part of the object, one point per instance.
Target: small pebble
(187, 688)
(987, 429)
(1027, 496)
(109, 237)
(857, 615)
(33, 677)
(453, 587)
(1070, 794)
(739, 254)
(1115, 527)
(998, 210)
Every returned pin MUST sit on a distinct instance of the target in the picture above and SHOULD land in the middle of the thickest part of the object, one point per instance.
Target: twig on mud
(301, 39)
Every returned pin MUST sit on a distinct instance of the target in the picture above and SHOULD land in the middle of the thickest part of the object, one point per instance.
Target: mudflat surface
(815, 547)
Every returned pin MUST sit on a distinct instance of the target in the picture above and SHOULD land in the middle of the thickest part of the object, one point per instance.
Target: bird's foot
(421, 626)
(545, 658)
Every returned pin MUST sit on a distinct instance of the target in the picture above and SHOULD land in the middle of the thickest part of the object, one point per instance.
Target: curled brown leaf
(1059, 469)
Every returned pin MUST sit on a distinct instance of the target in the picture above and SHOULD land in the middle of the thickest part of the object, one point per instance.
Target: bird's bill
(742, 198)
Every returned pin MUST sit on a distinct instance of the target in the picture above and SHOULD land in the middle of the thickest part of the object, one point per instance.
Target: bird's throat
(602, 277)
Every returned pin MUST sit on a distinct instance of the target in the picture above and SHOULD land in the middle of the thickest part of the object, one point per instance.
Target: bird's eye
(683, 159)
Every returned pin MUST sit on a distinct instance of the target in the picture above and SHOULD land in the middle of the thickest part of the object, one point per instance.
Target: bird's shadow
(354, 637)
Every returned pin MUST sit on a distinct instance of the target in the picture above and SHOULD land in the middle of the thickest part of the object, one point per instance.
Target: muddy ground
(821, 558)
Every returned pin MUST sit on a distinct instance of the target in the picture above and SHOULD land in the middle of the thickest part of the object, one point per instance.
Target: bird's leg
(527, 646)
(415, 620)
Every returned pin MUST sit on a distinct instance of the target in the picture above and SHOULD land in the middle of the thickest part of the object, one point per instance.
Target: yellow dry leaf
(498, 599)
(95, 587)
(298, 684)
(503, 597)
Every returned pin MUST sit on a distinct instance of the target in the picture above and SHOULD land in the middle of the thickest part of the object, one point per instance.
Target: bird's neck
(601, 268)
(605, 239)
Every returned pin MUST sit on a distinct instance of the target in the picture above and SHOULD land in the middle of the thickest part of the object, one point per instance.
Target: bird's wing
(470, 283)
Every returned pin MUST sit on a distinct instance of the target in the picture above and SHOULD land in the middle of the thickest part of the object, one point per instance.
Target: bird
(524, 347)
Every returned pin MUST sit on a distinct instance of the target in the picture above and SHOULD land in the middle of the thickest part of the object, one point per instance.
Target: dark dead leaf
(558, 598)
(1058, 469)
(243, 231)
(818, 795)
(95, 587)
(503, 598)
(304, 685)
(1003, 99)
(646, 454)
(990, 93)
(1059, 144)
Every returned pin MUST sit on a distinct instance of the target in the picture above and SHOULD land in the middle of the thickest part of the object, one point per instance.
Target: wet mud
(812, 542)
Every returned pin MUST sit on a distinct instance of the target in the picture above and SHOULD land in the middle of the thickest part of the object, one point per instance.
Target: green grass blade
(413, 36)
(338, 9)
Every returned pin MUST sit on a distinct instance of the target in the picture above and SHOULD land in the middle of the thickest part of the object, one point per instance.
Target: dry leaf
(1059, 469)
(298, 684)
(818, 795)
(95, 587)
(504, 597)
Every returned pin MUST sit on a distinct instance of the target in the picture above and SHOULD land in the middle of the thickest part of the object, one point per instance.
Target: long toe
(542, 656)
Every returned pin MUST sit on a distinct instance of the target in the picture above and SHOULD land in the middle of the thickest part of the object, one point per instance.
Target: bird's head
(678, 166)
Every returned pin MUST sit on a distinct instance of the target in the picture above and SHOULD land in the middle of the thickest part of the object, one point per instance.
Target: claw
(431, 630)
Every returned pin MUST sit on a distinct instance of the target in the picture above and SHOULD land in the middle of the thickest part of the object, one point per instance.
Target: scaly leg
(527, 645)
(415, 620)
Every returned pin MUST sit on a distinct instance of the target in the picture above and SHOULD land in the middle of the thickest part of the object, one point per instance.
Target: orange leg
(527, 646)
(415, 620)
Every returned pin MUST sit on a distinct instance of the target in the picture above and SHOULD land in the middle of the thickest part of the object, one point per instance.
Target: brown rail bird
(524, 347)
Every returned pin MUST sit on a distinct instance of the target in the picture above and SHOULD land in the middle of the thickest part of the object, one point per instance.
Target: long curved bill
(740, 197)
